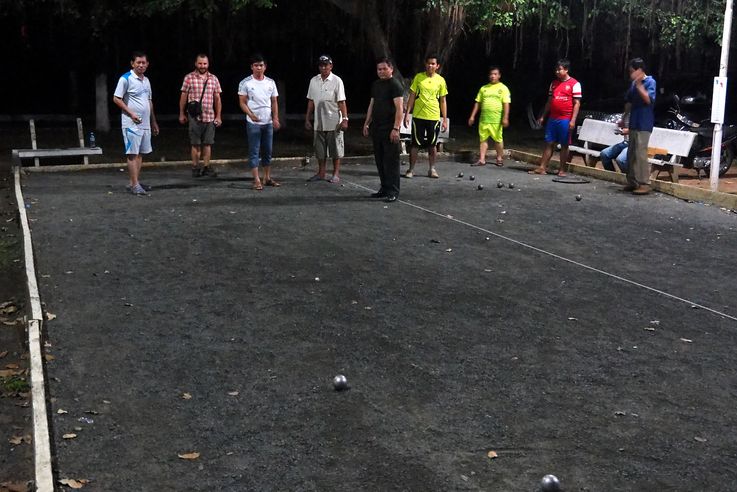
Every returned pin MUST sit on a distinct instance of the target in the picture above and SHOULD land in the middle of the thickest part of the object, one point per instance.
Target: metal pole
(718, 100)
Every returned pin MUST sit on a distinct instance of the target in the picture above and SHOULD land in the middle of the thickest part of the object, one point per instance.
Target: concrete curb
(726, 200)
(164, 164)
(41, 437)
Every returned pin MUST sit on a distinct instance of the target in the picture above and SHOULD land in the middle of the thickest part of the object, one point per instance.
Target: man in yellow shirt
(493, 99)
(427, 104)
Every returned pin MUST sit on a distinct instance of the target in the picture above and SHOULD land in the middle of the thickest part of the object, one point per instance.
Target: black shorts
(424, 132)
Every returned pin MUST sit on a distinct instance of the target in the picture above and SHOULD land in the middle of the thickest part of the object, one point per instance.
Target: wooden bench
(665, 148)
(672, 145)
(405, 135)
(596, 132)
(36, 154)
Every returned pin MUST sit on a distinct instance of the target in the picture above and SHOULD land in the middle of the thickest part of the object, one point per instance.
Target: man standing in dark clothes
(383, 119)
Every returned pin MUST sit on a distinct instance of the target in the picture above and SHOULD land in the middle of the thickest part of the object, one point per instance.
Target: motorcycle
(700, 156)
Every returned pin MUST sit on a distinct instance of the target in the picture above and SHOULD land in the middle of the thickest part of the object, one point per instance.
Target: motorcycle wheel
(725, 162)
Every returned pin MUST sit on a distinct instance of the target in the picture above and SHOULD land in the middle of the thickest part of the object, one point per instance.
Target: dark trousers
(386, 154)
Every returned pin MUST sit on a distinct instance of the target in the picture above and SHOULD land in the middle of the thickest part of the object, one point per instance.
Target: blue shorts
(557, 131)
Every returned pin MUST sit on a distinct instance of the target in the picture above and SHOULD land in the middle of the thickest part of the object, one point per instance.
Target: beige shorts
(328, 145)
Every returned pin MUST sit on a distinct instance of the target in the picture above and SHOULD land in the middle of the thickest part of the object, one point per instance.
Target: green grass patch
(14, 384)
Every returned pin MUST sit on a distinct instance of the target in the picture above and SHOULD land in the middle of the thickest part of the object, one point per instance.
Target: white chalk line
(41, 438)
(557, 256)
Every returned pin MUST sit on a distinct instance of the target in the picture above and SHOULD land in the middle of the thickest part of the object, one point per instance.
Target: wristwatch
(395, 129)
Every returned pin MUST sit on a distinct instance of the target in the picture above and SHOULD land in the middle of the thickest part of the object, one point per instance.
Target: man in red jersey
(564, 101)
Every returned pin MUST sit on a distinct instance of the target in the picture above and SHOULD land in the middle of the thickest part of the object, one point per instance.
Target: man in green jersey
(427, 105)
(493, 99)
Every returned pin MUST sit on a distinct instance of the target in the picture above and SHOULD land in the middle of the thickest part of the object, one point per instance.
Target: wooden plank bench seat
(596, 132)
(666, 147)
(676, 144)
(36, 154)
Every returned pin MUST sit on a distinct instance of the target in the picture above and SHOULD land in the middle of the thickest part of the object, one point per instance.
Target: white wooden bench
(596, 132)
(36, 154)
(405, 135)
(673, 145)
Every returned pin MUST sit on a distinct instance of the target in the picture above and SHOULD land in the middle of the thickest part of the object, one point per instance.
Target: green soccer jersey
(427, 92)
(491, 99)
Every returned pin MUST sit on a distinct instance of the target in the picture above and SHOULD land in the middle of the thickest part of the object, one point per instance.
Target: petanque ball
(511, 185)
(578, 198)
(460, 175)
(480, 187)
(340, 382)
(499, 184)
(550, 483)
(472, 177)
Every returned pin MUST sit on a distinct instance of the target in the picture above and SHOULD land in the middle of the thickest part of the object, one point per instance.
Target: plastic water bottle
(93, 142)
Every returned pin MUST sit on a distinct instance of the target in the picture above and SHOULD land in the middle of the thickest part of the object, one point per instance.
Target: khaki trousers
(638, 170)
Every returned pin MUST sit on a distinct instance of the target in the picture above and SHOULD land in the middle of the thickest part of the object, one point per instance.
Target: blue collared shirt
(642, 116)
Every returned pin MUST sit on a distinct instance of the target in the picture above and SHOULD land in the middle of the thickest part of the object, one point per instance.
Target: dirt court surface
(592, 339)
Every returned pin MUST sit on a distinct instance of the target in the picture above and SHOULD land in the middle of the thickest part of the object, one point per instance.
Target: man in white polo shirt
(326, 99)
(133, 97)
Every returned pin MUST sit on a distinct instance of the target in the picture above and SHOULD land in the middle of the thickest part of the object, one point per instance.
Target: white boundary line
(41, 439)
(557, 256)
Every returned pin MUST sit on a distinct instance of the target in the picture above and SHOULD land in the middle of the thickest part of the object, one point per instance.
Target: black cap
(324, 60)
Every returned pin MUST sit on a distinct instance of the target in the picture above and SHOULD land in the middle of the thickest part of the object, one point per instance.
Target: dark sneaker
(196, 172)
(379, 194)
(209, 171)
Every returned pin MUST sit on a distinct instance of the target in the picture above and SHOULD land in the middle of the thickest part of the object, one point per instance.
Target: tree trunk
(102, 115)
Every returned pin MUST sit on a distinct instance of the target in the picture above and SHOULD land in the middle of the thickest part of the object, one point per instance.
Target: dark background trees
(58, 48)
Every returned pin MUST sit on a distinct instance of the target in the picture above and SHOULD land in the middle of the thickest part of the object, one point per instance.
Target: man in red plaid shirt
(203, 87)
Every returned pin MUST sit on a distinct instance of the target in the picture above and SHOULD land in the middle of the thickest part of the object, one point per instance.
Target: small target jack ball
(480, 187)
(460, 175)
(578, 198)
(340, 382)
(472, 177)
(550, 483)
(511, 186)
(499, 184)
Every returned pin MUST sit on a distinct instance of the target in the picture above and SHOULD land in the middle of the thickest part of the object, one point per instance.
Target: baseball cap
(324, 60)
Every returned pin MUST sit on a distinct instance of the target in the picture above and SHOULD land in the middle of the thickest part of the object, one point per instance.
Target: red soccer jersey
(562, 96)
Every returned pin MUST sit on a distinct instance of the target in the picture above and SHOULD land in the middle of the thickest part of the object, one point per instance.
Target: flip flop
(537, 170)
(499, 163)
(271, 182)
(257, 187)
(478, 164)
(315, 178)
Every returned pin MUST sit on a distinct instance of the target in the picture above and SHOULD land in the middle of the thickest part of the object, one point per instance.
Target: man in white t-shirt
(326, 98)
(257, 96)
(133, 97)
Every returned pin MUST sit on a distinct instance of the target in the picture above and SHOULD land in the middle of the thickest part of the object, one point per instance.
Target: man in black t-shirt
(383, 119)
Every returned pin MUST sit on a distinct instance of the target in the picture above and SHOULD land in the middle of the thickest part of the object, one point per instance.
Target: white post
(718, 99)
